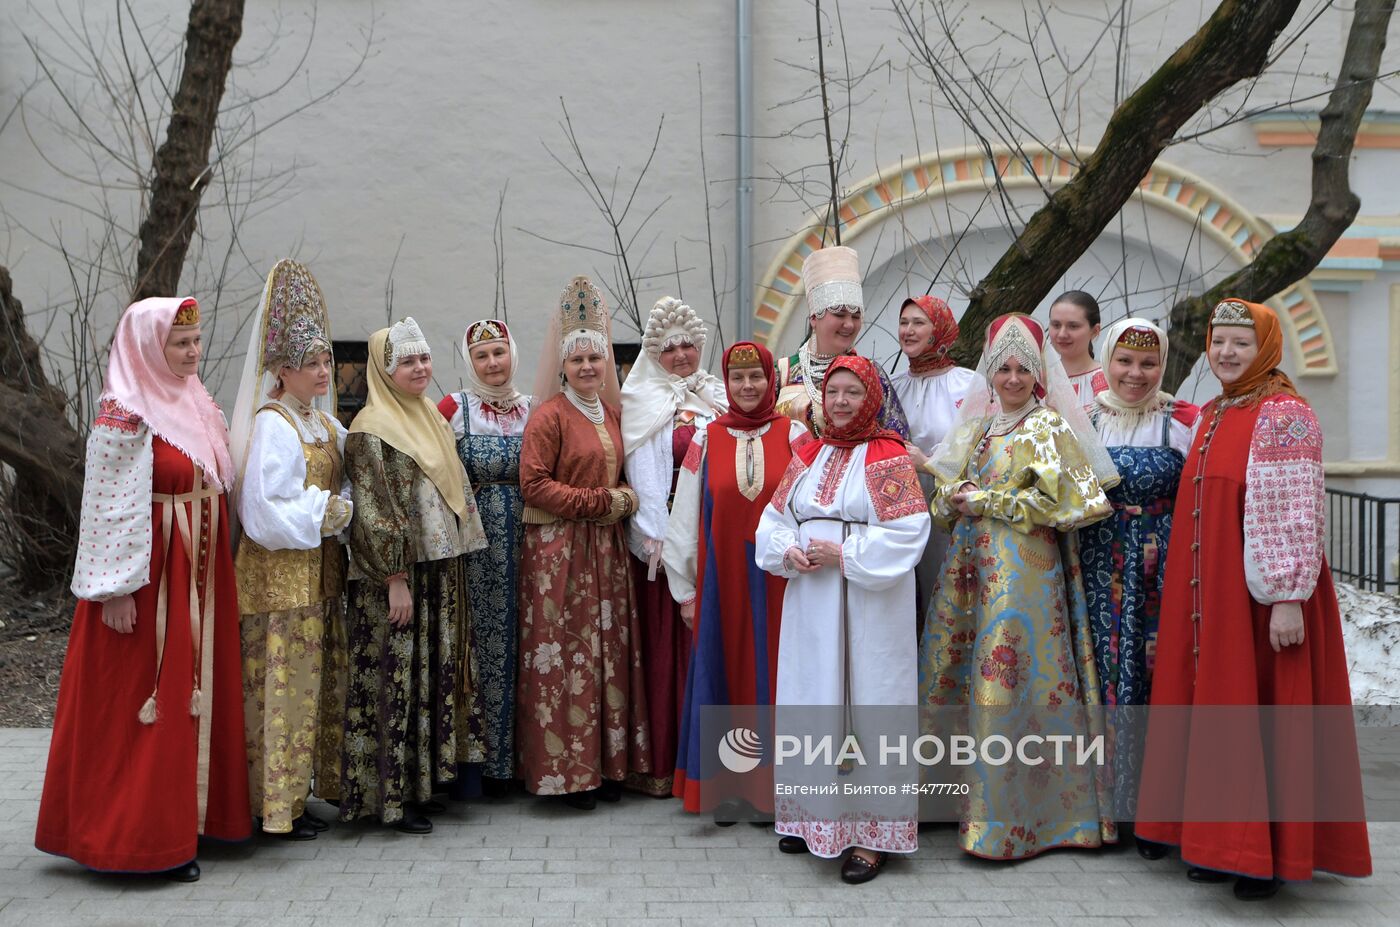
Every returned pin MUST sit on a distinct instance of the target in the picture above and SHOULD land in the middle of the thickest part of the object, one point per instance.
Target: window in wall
(351, 385)
(625, 354)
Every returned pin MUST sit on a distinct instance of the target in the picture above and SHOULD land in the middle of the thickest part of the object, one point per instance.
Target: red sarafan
(123, 796)
(1248, 535)
(148, 751)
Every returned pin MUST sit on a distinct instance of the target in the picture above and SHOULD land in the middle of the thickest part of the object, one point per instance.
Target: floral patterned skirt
(330, 727)
(1008, 634)
(402, 694)
(282, 662)
(581, 713)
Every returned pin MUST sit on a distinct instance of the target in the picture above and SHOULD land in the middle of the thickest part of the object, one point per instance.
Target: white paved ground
(529, 862)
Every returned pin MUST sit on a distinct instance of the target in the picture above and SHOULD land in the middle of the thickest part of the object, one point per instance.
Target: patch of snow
(1371, 629)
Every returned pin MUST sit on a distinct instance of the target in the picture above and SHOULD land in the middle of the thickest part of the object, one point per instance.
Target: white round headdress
(672, 322)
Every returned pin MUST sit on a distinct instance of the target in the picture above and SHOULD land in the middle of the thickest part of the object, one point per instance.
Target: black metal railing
(1363, 539)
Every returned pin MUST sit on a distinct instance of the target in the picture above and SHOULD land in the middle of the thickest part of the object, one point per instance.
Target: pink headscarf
(177, 408)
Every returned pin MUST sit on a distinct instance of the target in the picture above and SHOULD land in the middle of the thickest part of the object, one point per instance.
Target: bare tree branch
(1288, 257)
(1231, 46)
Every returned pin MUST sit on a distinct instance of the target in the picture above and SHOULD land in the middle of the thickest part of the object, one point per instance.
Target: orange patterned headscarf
(1262, 378)
(945, 333)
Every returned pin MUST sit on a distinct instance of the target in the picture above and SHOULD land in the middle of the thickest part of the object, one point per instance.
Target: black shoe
(412, 823)
(1207, 876)
(310, 820)
(186, 873)
(792, 844)
(497, 788)
(1247, 889)
(730, 812)
(583, 801)
(301, 830)
(1149, 849)
(857, 869)
(431, 806)
(610, 790)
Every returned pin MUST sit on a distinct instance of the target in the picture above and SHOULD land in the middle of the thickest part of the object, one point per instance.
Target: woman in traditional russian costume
(411, 713)
(725, 482)
(667, 399)
(488, 419)
(581, 714)
(1249, 618)
(1008, 627)
(835, 307)
(1146, 432)
(929, 392)
(292, 502)
(1074, 324)
(845, 527)
(147, 752)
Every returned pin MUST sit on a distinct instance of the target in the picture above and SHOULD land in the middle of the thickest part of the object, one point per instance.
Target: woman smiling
(1147, 432)
(726, 479)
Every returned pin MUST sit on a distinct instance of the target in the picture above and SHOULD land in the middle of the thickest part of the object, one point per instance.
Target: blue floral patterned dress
(493, 465)
(1122, 559)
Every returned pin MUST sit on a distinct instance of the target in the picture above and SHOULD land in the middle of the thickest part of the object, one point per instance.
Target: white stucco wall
(458, 99)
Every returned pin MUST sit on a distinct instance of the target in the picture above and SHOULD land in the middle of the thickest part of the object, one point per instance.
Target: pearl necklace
(813, 372)
(592, 409)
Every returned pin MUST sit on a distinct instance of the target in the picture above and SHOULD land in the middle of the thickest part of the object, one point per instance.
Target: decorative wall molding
(1379, 129)
(1166, 187)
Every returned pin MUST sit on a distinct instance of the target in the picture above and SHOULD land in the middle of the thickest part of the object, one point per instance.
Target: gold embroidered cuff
(537, 516)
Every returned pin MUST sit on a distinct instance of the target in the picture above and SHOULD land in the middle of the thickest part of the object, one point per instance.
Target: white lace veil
(1020, 336)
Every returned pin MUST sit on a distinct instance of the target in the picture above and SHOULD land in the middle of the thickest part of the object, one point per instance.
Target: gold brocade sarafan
(1008, 634)
(278, 580)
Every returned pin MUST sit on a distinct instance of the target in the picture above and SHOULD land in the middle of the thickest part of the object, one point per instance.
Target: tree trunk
(181, 169)
(1231, 46)
(41, 497)
(1290, 256)
(41, 502)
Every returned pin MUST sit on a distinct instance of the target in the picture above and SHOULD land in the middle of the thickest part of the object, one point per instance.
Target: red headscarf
(945, 332)
(766, 410)
(865, 427)
(1262, 378)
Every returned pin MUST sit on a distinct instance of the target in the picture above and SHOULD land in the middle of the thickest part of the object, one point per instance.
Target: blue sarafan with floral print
(492, 462)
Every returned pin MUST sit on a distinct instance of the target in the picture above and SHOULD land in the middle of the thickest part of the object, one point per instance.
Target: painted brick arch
(878, 198)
